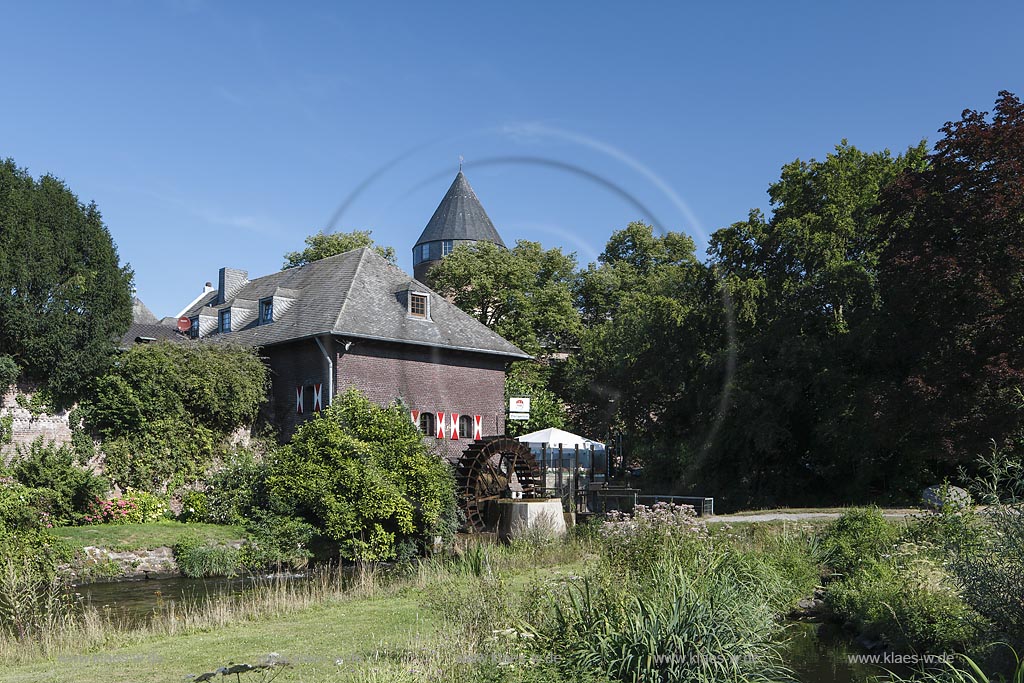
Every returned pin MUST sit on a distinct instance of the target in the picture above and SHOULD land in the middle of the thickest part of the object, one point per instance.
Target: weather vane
(460, 162)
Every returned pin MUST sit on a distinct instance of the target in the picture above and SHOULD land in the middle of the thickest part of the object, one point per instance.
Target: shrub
(276, 540)
(361, 475)
(237, 489)
(47, 465)
(634, 542)
(24, 508)
(164, 411)
(861, 537)
(197, 559)
(166, 449)
(195, 507)
(911, 606)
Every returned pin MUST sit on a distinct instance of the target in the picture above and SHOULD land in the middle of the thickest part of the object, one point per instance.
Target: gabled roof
(460, 216)
(356, 294)
(141, 313)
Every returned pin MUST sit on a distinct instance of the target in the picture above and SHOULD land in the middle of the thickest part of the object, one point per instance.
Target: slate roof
(146, 326)
(460, 216)
(141, 313)
(357, 294)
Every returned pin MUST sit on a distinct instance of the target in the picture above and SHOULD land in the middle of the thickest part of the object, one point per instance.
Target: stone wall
(27, 428)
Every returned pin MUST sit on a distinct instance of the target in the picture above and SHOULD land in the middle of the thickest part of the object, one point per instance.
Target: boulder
(946, 497)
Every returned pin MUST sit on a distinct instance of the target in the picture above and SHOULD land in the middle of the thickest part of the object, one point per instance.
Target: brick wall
(26, 428)
(426, 379)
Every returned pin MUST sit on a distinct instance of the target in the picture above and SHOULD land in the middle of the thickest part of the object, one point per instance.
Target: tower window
(446, 247)
(418, 305)
(225, 320)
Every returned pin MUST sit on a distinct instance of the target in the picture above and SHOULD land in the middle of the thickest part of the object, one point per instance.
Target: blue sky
(220, 134)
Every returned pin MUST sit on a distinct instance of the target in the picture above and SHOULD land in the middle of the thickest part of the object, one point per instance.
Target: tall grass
(84, 627)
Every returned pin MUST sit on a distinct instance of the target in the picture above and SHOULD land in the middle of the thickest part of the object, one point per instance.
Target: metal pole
(561, 483)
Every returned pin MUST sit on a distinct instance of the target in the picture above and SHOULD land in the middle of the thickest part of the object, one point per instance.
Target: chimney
(207, 288)
(231, 280)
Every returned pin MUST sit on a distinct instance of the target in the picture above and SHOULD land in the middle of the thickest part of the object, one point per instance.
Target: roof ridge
(351, 284)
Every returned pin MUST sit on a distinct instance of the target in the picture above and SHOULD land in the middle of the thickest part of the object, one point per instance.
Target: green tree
(65, 300)
(654, 313)
(163, 410)
(804, 287)
(322, 245)
(527, 378)
(524, 294)
(362, 476)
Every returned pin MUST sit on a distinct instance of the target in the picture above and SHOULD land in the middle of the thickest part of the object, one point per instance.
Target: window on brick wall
(427, 424)
(465, 427)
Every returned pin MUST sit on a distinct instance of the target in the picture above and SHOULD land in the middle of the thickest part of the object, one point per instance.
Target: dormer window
(419, 305)
(225, 320)
(193, 330)
(266, 310)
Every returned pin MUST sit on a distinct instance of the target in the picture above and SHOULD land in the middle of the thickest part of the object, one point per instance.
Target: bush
(47, 465)
(910, 606)
(237, 489)
(632, 543)
(134, 507)
(361, 475)
(23, 508)
(164, 411)
(859, 538)
(196, 559)
(165, 450)
(276, 540)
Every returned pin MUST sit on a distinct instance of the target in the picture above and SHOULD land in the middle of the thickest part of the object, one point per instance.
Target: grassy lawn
(313, 640)
(122, 537)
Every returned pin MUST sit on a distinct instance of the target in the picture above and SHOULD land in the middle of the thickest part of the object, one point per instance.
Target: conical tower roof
(460, 216)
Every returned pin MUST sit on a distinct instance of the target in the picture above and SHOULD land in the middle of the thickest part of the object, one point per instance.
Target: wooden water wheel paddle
(483, 472)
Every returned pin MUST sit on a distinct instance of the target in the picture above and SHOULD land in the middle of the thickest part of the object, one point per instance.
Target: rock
(946, 497)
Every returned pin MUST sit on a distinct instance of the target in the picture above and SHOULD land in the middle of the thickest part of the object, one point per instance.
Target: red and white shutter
(298, 400)
(455, 426)
(440, 425)
(478, 427)
(415, 417)
(317, 400)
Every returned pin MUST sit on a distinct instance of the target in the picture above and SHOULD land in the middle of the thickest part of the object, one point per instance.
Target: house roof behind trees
(356, 294)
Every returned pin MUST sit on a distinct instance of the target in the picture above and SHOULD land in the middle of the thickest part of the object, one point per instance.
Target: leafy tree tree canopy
(524, 294)
(953, 277)
(65, 299)
(322, 245)
(361, 474)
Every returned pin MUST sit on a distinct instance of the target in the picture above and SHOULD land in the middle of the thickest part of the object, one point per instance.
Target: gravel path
(797, 516)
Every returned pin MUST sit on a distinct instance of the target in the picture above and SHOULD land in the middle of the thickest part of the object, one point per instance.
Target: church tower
(459, 219)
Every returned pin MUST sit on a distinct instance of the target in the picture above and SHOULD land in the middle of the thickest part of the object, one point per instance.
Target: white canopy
(555, 437)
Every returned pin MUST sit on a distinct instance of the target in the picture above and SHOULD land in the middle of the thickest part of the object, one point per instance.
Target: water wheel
(482, 476)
